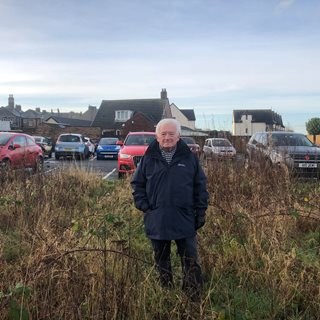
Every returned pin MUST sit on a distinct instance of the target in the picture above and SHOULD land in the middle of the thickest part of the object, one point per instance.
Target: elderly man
(170, 188)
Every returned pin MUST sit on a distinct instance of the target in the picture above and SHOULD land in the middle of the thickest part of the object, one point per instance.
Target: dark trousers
(187, 250)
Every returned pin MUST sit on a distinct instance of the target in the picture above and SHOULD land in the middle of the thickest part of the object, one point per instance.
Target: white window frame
(122, 115)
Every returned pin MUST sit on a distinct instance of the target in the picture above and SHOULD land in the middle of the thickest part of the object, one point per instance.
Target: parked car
(45, 145)
(90, 145)
(108, 148)
(294, 150)
(194, 147)
(71, 145)
(219, 148)
(133, 149)
(19, 150)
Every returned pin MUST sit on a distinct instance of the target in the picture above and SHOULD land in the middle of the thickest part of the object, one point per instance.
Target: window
(30, 142)
(123, 115)
(19, 140)
(69, 138)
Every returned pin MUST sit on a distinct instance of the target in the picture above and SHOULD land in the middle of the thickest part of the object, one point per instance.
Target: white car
(219, 148)
(89, 144)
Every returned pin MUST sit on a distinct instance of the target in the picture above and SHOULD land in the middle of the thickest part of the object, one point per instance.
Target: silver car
(219, 148)
(71, 145)
(294, 150)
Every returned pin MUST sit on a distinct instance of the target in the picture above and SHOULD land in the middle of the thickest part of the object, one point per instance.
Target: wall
(183, 120)
(239, 129)
(137, 123)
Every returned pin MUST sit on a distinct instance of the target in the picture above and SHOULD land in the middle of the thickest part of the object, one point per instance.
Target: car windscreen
(293, 140)
(188, 140)
(221, 143)
(69, 138)
(139, 140)
(37, 139)
(4, 138)
(108, 141)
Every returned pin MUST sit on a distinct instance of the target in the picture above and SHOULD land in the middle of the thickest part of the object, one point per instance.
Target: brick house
(118, 117)
(248, 122)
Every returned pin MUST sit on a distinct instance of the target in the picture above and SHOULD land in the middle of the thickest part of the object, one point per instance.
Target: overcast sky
(210, 55)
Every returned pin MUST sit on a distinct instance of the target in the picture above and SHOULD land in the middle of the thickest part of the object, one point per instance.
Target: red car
(194, 147)
(132, 150)
(19, 150)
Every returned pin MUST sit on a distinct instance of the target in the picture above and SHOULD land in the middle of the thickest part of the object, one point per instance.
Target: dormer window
(122, 115)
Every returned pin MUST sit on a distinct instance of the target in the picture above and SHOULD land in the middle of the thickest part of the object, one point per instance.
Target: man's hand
(200, 221)
(144, 207)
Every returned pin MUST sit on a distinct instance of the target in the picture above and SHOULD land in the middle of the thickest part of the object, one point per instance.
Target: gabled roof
(15, 112)
(189, 113)
(259, 115)
(70, 122)
(5, 111)
(151, 108)
(32, 114)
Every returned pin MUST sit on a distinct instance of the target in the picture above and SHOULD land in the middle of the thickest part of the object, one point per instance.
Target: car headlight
(124, 156)
(57, 148)
(99, 148)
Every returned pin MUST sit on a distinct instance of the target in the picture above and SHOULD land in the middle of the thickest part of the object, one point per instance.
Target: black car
(294, 150)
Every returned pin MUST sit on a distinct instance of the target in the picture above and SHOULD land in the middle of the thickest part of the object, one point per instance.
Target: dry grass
(72, 247)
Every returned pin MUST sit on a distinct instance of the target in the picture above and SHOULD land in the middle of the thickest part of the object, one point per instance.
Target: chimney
(11, 102)
(38, 110)
(18, 107)
(163, 94)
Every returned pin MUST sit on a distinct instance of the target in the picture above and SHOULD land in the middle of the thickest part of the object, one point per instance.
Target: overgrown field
(72, 246)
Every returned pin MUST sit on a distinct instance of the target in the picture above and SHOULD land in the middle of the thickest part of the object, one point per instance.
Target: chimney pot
(164, 94)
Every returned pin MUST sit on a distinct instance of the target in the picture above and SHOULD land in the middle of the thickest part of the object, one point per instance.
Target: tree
(313, 127)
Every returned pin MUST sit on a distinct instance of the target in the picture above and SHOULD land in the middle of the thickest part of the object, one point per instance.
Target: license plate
(108, 156)
(68, 149)
(307, 165)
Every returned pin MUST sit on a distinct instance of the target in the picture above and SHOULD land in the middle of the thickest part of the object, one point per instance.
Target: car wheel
(39, 165)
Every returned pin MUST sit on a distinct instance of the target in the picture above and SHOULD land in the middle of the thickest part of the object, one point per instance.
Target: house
(248, 122)
(12, 113)
(31, 119)
(186, 117)
(118, 117)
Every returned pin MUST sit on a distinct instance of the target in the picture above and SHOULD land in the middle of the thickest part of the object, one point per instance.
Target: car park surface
(108, 148)
(219, 148)
(133, 149)
(19, 151)
(292, 150)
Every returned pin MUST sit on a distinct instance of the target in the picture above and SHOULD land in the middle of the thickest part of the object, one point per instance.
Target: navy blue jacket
(170, 195)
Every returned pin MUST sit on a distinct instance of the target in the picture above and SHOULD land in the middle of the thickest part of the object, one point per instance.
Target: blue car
(108, 148)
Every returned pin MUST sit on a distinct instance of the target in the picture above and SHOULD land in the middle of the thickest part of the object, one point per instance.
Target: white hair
(168, 121)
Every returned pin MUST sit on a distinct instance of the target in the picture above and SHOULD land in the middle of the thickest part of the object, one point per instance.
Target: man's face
(168, 136)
